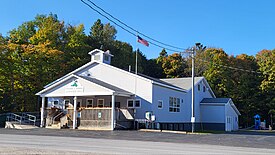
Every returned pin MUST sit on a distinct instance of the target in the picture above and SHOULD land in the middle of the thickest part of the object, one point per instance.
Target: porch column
(113, 113)
(75, 113)
(42, 112)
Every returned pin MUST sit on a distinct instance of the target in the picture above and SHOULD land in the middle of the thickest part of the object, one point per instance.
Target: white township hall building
(98, 96)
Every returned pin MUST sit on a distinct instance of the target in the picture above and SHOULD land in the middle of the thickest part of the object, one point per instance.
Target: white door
(228, 124)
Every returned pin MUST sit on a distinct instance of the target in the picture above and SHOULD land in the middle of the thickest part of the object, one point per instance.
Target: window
(137, 104)
(174, 104)
(97, 57)
(100, 102)
(204, 88)
(160, 103)
(79, 103)
(89, 103)
(55, 102)
(106, 57)
(67, 102)
(117, 104)
(130, 103)
(199, 87)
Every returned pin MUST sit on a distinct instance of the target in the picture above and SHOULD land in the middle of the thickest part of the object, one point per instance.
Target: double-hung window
(89, 103)
(133, 103)
(100, 103)
(174, 104)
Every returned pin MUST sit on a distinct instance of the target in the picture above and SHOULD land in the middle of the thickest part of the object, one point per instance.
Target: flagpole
(136, 55)
(144, 42)
(136, 71)
(136, 61)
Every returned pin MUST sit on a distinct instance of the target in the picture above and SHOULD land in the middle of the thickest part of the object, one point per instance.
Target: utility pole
(193, 90)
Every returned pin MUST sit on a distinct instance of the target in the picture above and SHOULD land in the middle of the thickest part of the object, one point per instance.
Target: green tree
(266, 62)
(23, 33)
(102, 35)
(244, 87)
(216, 74)
(123, 55)
(154, 69)
(173, 66)
(75, 48)
(50, 31)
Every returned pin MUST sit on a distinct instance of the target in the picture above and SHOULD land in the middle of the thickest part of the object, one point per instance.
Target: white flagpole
(136, 71)
(136, 61)
(136, 55)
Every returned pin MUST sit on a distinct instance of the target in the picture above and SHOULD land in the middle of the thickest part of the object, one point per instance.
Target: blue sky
(237, 26)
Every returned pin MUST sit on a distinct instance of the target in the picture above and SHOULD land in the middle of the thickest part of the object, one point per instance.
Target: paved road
(49, 141)
(33, 144)
(241, 139)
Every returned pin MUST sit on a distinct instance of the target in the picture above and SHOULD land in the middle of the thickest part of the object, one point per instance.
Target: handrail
(31, 118)
(121, 125)
(24, 118)
(69, 116)
(57, 115)
(14, 117)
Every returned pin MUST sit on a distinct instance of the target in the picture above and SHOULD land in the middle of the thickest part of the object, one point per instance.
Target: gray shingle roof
(106, 85)
(215, 100)
(158, 80)
(184, 83)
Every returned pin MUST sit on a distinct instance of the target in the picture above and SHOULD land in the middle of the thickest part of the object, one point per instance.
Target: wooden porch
(90, 118)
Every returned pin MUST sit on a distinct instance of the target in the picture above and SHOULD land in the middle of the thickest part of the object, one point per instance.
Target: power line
(133, 28)
(155, 44)
(229, 67)
(132, 33)
(108, 18)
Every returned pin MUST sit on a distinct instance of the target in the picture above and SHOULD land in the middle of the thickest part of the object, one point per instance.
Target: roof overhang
(98, 50)
(213, 104)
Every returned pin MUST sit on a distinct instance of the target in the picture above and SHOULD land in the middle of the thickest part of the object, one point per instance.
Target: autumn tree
(172, 65)
(244, 86)
(216, 74)
(266, 62)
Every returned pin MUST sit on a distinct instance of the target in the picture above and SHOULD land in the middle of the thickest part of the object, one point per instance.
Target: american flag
(142, 41)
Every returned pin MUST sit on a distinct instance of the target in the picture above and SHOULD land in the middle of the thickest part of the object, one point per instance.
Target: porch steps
(54, 126)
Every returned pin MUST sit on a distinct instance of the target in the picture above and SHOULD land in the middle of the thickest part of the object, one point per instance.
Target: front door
(229, 123)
